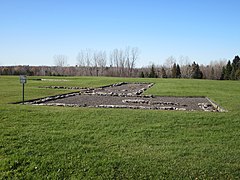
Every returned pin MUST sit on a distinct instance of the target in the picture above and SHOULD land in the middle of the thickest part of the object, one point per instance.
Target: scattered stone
(206, 107)
(181, 109)
(164, 103)
(139, 101)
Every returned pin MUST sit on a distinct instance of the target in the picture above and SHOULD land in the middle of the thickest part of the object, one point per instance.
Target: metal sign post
(23, 81)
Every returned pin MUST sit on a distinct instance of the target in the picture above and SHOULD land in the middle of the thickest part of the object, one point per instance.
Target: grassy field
(84, 143)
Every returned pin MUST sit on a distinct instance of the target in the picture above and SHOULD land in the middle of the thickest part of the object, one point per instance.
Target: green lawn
(84, 143)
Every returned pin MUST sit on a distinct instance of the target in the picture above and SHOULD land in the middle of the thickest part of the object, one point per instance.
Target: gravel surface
(126, 95)
(187, 103)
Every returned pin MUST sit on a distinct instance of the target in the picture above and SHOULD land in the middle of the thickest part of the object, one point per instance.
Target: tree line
(174, 72)
(122, 63)
(184, 69)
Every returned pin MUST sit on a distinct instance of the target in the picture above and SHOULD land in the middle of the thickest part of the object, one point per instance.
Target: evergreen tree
(228, 71)
(179, 74)
(232, 74)
(174, 71)
(236, 62)
(223, 73)
(152, 73)
(196, 72)
(164, 74)
(235, 66)
(146, 74)
(142, 75)
(238, 74)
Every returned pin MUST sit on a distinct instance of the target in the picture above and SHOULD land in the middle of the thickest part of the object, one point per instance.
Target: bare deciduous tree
(122, 62)
(217, 66)
(60, 60)
(89, 57)
(169, 62)
(168, 65)
(114, 58)
(81, 59)
(85, 61)
(131, 56)
(185, 65)
(134, 57)
(102, 60)
(127, 56)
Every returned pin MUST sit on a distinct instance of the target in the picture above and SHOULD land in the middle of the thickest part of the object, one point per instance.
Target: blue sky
(32, 32)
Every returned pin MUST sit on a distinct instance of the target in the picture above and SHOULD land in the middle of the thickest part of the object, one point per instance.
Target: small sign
(23, 79)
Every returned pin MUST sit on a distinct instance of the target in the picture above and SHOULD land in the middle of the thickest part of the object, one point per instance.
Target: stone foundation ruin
(125, 95)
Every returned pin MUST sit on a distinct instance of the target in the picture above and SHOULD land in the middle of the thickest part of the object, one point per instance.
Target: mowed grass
(84, 143)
